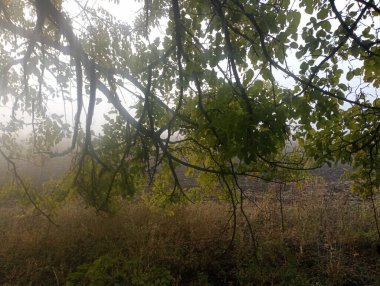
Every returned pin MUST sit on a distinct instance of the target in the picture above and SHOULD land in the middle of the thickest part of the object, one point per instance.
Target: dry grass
(325, 241)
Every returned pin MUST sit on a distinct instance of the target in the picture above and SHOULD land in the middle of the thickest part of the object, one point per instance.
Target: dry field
(319, 238)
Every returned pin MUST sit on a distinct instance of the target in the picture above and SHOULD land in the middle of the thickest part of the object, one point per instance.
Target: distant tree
(218, 87)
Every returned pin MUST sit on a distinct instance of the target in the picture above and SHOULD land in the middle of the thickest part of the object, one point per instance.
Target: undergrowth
(321, 239)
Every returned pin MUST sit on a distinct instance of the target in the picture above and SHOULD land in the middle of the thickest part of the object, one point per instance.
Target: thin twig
(25, 188)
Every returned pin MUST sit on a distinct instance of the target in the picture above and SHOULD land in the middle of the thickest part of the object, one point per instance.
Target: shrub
(116, 269)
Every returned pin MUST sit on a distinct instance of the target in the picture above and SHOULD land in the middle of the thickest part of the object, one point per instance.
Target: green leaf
(326, 25)
(300, 53)
(248, 77)
(349, 75)
(309, 9)
(303, 67)
(343, 86)
(323, 13)
(266, 74)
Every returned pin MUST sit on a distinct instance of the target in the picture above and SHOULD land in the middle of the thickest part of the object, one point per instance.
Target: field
(320, 237)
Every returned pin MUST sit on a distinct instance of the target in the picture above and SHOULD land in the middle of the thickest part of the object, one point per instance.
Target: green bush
(119, 270)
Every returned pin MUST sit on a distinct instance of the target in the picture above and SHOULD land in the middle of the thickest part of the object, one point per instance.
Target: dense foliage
(219, 87)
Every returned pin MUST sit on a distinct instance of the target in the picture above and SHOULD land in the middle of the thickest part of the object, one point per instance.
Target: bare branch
(25, 188)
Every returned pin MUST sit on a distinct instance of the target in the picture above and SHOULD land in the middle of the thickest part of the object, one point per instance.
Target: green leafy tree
(195, 84)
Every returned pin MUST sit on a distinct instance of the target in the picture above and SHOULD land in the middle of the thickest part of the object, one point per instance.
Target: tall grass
(320, 238)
